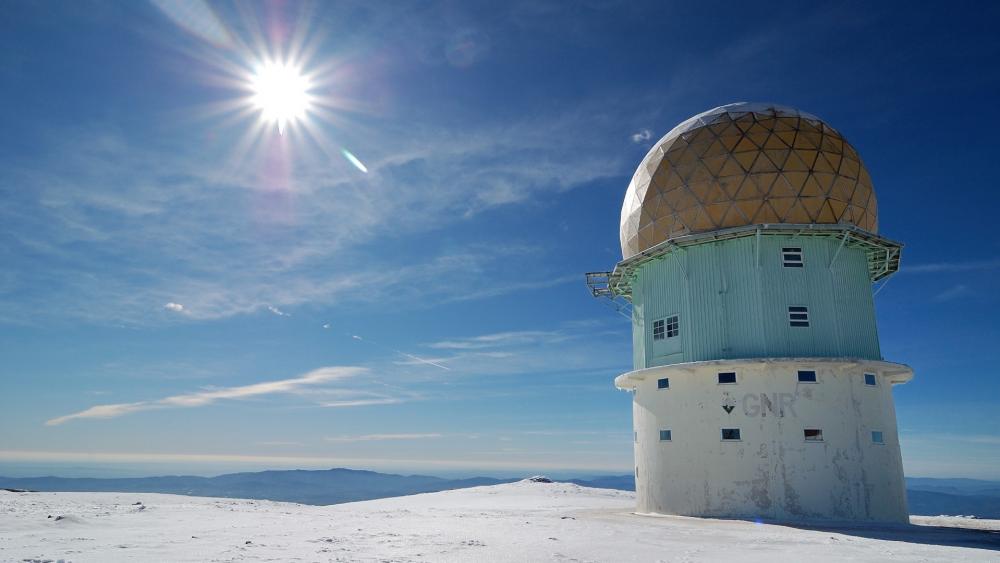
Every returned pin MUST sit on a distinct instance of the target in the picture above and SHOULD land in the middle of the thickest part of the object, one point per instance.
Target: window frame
(881, 437)
(738, 438)
(792, 251)
(798, 376)
(662, 383)
(874, 379)
(799, 317)
(718, 378)
(676, 330)
(669, 435)
(818, 437)
(660, 329)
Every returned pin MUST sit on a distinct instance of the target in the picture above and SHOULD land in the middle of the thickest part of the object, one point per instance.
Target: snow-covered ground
(523, 521)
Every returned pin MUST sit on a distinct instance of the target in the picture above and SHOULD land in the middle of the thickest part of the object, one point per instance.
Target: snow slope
(524, 521)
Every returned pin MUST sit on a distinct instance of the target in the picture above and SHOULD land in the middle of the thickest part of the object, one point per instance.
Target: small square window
(807, 376)
(798, 316)
(791, 257)
(813, 434)
(663, 383)
(727, 378)
(731, 434)
(658, 330)
(877, 437)
(870, 379)
(673, 326)
(665, 435)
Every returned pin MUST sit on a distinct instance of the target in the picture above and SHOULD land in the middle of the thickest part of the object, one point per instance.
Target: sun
(281, 93)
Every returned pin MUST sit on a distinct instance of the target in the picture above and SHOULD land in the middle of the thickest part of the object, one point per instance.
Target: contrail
(401, 353)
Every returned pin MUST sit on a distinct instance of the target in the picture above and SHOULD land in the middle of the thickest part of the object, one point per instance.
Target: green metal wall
(733, 302)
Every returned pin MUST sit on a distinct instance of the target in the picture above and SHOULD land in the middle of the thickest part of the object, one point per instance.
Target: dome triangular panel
(745, 164)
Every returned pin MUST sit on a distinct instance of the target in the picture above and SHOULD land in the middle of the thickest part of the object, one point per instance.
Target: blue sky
(183, 290)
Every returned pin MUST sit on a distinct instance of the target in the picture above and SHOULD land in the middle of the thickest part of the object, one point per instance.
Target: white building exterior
(827, 449)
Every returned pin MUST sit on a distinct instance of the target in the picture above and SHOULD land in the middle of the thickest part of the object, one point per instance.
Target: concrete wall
(733, 299)
(773, 472)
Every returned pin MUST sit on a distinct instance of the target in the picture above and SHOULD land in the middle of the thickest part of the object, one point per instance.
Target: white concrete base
(772, 471)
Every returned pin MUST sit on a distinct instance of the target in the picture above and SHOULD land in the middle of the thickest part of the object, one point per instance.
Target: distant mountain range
(330, 486)
(927, 496)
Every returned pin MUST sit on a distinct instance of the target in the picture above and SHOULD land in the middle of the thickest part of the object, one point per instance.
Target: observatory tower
(749, 248)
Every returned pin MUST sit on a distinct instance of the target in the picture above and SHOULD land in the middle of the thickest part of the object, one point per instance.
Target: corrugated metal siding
(732, 308)
(638, 329)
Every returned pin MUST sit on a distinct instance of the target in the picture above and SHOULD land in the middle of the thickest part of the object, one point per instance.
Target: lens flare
(354, 160)
(281, 93)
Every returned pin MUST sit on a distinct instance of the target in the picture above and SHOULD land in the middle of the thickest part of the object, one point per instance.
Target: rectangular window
(635, 437)
(807, 376)
(731, 434)
(727, 377)
(791, 257)
(673, 326)
(663, 383)
(813, 434)
(870, 379)
(877, 437)
(798, 316)
(658, 330)
(665, 435)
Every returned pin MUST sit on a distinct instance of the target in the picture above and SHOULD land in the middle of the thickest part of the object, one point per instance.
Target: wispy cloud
(235, 244)
(514, 287)
(422, 361)
(501, 339)
(988, 439)
(277, 311)
(361, 402)
(952, 293)
(936, 267)
(383, 437)
(579, 347)
(641, 136)
(209, 396)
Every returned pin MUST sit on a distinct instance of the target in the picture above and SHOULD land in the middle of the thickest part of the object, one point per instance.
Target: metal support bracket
(840, 247)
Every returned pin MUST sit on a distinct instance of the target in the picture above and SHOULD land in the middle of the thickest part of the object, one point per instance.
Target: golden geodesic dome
(745, 164)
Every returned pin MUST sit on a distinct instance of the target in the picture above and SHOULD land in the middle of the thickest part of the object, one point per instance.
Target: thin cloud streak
(501, 339)
(384, 437)
(989, 439)
(953, 293)
(207, 397)
(417, 359)
(425, 361)
(361, 402)
(937, 267)
(277, 311)
(506, 289)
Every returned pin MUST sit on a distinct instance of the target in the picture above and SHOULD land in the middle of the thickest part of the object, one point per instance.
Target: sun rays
(283, 91)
